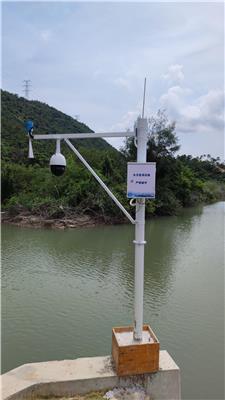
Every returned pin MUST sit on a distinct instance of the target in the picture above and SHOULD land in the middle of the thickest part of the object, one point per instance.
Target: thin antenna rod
(143, 108)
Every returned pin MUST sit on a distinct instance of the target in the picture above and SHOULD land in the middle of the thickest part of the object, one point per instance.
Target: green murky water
(63, 291)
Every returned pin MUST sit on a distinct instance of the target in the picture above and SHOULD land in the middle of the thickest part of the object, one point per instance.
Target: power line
(27, 87)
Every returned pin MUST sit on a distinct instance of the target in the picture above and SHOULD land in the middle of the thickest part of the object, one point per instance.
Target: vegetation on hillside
(29, 187)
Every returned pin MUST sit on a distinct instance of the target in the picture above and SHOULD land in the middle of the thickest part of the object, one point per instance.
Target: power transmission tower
(27, 86)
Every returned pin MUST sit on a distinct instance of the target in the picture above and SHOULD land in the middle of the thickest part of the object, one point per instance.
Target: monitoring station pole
(142, 129)
(140, 137)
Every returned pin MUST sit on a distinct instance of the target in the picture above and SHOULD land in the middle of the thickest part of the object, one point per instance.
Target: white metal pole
(30, 152)
(87, 135)
(142, 128)
(57, 146)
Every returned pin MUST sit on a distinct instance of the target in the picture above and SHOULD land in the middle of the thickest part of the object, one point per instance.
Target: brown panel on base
(134, 359)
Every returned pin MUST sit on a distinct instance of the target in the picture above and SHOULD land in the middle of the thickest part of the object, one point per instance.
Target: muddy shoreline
(38, 221)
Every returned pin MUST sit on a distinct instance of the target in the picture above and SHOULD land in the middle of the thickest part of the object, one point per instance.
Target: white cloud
(98, 73)
(175, 74)
(174, 100)
(122, 82)
(127, 121)
(46, 35)
(207, 113)
(200, 114)
(212, 102)
(204, 113)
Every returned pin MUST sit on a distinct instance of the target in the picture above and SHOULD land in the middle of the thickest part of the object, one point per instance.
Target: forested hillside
(15, 110)
(30, 187)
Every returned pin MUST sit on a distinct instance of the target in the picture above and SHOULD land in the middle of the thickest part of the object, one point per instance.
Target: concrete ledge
(70, 377)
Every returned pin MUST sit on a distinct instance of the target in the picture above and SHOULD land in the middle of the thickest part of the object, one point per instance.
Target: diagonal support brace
(103, 185)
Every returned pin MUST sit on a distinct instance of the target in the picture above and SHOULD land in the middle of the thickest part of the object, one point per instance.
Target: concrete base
(70, 377)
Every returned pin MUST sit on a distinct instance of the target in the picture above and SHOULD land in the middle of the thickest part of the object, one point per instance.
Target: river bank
(37, 221)
(25, 219)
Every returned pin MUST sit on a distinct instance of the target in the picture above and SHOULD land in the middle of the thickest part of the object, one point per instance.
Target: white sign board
(141, 180)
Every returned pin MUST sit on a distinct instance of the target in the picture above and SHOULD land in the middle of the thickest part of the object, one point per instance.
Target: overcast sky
(90, 59)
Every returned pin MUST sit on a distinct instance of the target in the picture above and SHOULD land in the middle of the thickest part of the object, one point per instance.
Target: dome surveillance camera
(57, 164)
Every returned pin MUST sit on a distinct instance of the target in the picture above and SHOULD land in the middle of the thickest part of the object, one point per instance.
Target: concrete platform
(70, 377)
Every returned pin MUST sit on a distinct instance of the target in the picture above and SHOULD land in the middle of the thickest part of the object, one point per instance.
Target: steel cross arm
(103, 185)
(88, 135)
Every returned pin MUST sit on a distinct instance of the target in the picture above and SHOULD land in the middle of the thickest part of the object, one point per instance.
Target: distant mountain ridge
(15, 110)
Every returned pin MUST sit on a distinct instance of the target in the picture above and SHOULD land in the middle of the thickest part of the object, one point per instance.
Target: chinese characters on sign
(141, 180)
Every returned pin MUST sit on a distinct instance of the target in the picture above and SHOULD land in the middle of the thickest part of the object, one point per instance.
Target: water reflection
(64, 290)
(102, 257)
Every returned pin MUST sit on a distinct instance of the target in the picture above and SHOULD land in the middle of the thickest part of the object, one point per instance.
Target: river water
(63, 291)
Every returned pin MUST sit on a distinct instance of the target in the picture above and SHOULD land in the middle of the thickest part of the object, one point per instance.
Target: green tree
(107, 168)
(162, 141)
